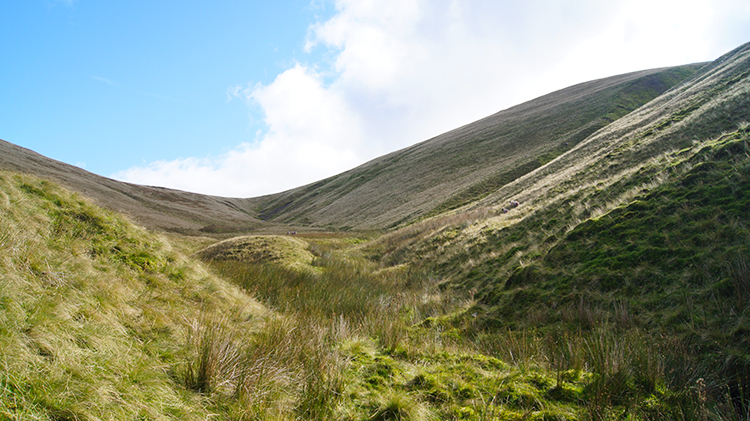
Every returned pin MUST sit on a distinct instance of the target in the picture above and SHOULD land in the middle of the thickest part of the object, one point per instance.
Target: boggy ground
(355, 341)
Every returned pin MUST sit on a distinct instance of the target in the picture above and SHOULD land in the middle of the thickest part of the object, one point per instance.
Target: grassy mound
(281, 250)
(95, 313)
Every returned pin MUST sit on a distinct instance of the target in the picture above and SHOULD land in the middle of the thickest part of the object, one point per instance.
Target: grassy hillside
(470, 162)
(617, 289)
(100, 319)
(96, 313)
(426, 179)
(639, 230)
(673, 262)
(606, 170)
(153, 207)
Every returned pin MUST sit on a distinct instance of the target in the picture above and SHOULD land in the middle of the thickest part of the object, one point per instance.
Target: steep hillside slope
(96, 314)
(714, 101)
(641, 227)
(674, 261)
(609, 168)
(468, 163)
(154, 207)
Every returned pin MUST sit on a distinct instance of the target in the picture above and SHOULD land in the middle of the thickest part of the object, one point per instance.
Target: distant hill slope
(154, 207)
(470, 162)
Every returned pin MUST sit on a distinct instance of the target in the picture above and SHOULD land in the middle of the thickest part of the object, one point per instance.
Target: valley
(617, 288)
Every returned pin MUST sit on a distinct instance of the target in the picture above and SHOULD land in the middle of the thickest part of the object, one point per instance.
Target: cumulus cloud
(403, 71)
(311, 135)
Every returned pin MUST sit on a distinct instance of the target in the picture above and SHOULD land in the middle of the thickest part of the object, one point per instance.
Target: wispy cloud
(105, 80)
(142, 92)
(403, 71)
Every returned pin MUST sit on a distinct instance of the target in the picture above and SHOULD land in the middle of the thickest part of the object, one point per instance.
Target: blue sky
(115, 84)
(244, 98)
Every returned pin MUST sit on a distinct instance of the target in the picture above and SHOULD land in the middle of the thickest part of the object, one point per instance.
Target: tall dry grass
(294, 367)
(93, 310)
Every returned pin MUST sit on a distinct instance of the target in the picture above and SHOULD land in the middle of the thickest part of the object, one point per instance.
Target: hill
(470, 162)
(430, 177)
(96, 313)
(607, 169)
(153, 207)
(642, 227)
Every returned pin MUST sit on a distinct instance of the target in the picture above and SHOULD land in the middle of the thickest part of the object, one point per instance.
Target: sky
(246, 98)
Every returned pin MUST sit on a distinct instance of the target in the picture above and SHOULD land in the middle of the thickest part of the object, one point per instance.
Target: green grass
(102, 320)
(617, 290)
(672, 262)
(639, 233)
(93, 311)
(403, 349)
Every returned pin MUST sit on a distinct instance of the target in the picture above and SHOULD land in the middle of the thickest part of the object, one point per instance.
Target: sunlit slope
(674, 261)
(642, 226)
(96, 314)
(611, 168)
(470, 162)
(714, 101)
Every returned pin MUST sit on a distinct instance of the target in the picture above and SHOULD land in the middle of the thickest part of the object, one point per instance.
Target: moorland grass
(93, 311)
(620, 293)
(103, 320)
(389, 344)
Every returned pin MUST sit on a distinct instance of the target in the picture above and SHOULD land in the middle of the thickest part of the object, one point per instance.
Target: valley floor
(355, 341)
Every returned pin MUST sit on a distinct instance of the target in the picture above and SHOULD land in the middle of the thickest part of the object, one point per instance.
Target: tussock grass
(102, 320)
(407, 350)
(93, 310)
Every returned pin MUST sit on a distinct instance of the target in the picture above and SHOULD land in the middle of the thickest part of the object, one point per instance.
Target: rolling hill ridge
(154, 207)
(439, 174)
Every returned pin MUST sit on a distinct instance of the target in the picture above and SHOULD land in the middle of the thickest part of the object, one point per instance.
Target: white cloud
(407, 70)
(311, 135)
